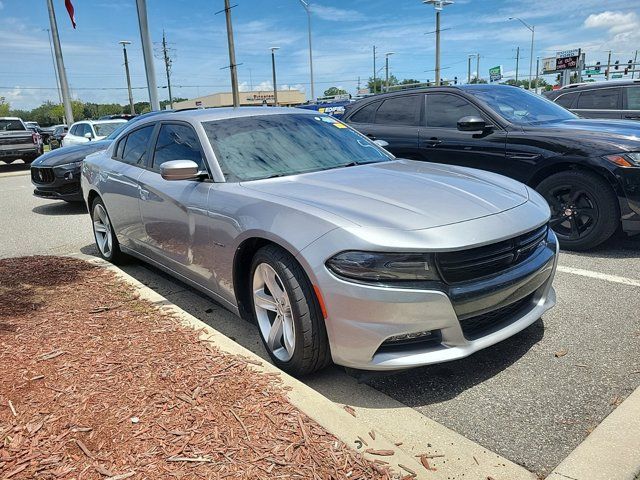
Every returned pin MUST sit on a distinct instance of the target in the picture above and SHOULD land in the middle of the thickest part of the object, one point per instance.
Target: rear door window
(633, 97)
(600, 99)
(135, 149)
(402, 110)
(74, 130)
(365, 114)
(444, 110)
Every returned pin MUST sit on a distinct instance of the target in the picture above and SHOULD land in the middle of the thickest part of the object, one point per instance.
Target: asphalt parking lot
(532, 398)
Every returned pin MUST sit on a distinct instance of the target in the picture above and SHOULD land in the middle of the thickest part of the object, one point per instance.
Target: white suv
(87, 130)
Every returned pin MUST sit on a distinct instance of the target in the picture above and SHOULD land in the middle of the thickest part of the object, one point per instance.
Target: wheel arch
(568, 165)
(91, 196)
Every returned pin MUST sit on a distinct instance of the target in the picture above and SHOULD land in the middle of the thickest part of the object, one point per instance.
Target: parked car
(47, 132)
(58, 133)
(37, 130)
(88, 130)
(17, 141)
(56, 174)
(337, 250)
(615, 99)
(588, 170)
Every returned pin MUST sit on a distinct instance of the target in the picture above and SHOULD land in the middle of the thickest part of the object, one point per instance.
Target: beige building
(286, 98)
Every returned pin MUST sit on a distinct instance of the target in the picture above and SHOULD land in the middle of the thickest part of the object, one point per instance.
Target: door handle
(432, 142)
(636, 117)
(370, 136)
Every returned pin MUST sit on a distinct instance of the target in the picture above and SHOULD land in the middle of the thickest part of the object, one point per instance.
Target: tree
(379, 85)
(334, 91)
(4, 109)
(478, 80)
(409, 81)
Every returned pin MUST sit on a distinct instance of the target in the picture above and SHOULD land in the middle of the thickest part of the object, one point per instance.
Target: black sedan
(588, 170)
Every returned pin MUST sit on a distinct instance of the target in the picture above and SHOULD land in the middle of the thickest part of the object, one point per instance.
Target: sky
(344, 33)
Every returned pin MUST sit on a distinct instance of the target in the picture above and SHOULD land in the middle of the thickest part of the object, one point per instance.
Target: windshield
(11, 125)
(520, 106)
(104, 129)
(251, 148)
(117, 131)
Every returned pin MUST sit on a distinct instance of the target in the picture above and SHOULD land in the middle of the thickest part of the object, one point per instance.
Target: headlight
(70, 166)
(383, 267)
(629, 159)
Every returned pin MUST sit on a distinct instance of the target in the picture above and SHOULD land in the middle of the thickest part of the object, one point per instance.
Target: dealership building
(286, 98)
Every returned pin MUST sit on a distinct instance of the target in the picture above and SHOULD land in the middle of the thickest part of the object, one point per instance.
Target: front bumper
(629, 180)
(462, 319)
(56, 184)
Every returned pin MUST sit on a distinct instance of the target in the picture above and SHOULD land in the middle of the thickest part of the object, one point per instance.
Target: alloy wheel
(102, 230)
(574, 213)
(273, 312)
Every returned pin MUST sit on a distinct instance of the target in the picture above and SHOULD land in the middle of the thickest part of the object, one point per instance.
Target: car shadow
(60, 208)
(415, 387)
(619, 245)
(17, 166)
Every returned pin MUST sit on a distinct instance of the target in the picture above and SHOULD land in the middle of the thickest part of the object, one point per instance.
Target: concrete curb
(20, 173)
(611, 452)
(325, 412)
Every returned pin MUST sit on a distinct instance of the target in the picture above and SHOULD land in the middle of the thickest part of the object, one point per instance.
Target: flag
(69, 5)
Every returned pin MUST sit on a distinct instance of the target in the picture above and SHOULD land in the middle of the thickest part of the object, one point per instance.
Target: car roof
(600, 84)
(223, 113)
(93, 122)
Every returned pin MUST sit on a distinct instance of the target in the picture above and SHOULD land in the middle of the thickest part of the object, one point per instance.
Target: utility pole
(635, 63)
(517, 62)
(147, 53)
(53, 61)
(124, 44)
(608, 70)
(273, 71)
(532, 29)
(386, 59)
(62, 73)
(307, 7)
(469, 69)
(374, 69)
(438, 5)
(232, 56)
(478, 67)
(167, 66)
(537, 71)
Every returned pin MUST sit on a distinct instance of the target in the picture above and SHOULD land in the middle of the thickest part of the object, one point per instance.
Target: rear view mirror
(381, 143)
(88, 135)
(179, 170)
(471, 123)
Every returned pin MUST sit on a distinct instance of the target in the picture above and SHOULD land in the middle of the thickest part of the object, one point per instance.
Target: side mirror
(179, 170)
(471, 123)
(88, 135)
(381, 143)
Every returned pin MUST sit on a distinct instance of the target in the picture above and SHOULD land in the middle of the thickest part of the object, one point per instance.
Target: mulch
(98, 384)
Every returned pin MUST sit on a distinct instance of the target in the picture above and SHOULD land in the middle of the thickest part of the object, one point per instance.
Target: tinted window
(601, 99)
(177, 142)
(263, 146)
(135, 149)
(566, 100)
(365, 114)
(120, 148)
(404, 110)
(445, 110)
(11, 125)
(86, 128)
(633, 98)
(104, 129)
(74, 129)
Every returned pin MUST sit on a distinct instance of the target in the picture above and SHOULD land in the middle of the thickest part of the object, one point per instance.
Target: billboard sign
(567, 59)
(495, 73)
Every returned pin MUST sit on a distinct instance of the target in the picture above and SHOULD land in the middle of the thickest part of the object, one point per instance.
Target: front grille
(475, 263)
(42, 175)
(481, 325)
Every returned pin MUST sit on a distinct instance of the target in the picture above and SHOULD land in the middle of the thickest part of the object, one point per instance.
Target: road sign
(592, 72)
(495, 73)
(567, 59)
(616, 75)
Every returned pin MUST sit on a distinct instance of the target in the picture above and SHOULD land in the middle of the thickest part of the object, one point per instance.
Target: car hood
(401, 194)
(612, 135)
(73, 153)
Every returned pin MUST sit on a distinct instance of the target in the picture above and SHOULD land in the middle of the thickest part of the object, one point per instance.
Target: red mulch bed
(98, 384)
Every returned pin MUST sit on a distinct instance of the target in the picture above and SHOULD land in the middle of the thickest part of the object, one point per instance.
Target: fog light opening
(408, 337)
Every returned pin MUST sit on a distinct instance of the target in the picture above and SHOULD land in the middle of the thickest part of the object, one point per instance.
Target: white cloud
(615, 22)
(336, 14)
(1, 5)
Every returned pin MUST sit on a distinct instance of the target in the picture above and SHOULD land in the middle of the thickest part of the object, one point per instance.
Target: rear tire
(584, 208)
(105, 237)
(299, 345)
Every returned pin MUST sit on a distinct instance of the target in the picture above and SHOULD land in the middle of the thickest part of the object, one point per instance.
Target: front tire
(106, 241)
(287, 312)
(584, 208)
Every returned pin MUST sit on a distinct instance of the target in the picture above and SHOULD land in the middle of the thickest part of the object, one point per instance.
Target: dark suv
(588, 170)
(618, 100)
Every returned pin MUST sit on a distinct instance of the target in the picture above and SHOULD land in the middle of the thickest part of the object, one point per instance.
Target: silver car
(337, 250)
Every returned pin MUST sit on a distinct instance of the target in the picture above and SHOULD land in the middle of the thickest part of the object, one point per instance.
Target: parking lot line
(599, 276)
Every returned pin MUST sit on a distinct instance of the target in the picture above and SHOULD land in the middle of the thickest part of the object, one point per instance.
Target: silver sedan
(337, 250)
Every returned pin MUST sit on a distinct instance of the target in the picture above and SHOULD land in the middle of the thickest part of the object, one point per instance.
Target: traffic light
(628, 67)
(455, 80)
(616, 64)
(598, 66)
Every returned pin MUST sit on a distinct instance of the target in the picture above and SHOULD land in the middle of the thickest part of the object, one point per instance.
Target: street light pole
(469, 68)
(62, 73)
(439, 5)
(532, 28)
(374, 69)
(53, 60)
(273, 70)
(124, 44)
(147, 53)
(386, 60)
(307, 8)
